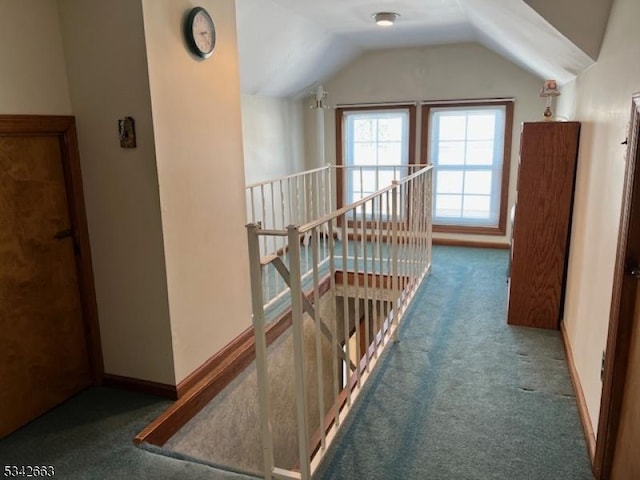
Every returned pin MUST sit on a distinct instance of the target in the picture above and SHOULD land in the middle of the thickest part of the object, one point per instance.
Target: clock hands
(206, 38)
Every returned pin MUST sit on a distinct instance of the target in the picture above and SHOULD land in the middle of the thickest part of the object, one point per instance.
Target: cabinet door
(548, 154)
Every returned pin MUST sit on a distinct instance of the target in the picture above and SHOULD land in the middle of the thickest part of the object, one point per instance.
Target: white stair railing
(348, 276)
(289, 200)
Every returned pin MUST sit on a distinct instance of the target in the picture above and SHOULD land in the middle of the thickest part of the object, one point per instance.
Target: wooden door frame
(64, 128)
(622, 312)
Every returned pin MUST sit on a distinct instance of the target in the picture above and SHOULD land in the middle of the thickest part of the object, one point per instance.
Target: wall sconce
(319, 99)
(127, 132)
(549, 90)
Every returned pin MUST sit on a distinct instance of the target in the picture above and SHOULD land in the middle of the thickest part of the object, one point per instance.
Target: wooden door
(626, 461)
(44, 347)
(616, 455)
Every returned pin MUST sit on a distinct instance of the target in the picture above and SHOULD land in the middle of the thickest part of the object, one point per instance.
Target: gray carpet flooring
(462, 395)
(90, 437)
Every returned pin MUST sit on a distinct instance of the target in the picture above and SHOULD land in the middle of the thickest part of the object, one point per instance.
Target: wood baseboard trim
(577, 388)
(239, 354)
(469, 243)
(200, 387)
(210, 379)
(215, 361)
(500, 230)
(140, 386)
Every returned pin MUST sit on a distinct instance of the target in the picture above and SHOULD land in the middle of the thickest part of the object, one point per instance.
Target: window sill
(499, 230)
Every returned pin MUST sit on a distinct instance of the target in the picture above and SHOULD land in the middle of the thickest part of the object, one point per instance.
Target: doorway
(49, 336)
(619, 425)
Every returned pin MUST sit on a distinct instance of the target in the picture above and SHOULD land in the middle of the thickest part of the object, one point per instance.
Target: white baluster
(345, 289)
(315, 246)
(257, 302)
(298, 351)
(365, 274)
(334, 314)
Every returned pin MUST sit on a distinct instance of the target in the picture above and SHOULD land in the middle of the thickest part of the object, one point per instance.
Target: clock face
(200, 32)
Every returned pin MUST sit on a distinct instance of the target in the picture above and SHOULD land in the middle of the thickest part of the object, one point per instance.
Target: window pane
(453, 127)
(364, 154)
(355, 196)
(466, 147)
(390, 153)
(375, 138)
(385, 177)
(390, 129)
(365, 182)
(477, 183)
(448, 206)
(363, 130)
(480, 153)
(481, 127)
(449, 182)
(450, 153)
(477, 206)
(384, 208)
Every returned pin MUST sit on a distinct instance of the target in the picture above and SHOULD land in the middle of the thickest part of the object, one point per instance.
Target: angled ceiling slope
(288, 46)
(282, 52)
(581, 21)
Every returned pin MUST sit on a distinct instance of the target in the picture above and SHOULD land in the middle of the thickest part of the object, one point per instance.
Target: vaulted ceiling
(288, 46)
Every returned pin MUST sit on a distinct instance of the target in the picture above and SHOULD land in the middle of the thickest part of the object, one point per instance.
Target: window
(374, 144)
(469, 146)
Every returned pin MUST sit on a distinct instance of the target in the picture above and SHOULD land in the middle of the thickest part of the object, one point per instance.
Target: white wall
(149, 314)
(198, 140)
(273, 143)
(273, 139)
(603, 105)
(33, 79)
(449, 72)
(106, 61)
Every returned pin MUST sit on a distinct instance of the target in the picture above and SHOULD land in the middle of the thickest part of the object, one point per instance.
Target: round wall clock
(200, 32)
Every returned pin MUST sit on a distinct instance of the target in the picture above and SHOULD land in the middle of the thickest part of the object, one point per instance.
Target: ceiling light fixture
(385, 19)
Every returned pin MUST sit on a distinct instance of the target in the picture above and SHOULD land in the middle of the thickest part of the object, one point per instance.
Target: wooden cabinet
(540, 239)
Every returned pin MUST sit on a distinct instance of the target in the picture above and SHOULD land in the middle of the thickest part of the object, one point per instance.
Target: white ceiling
(288, 46)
